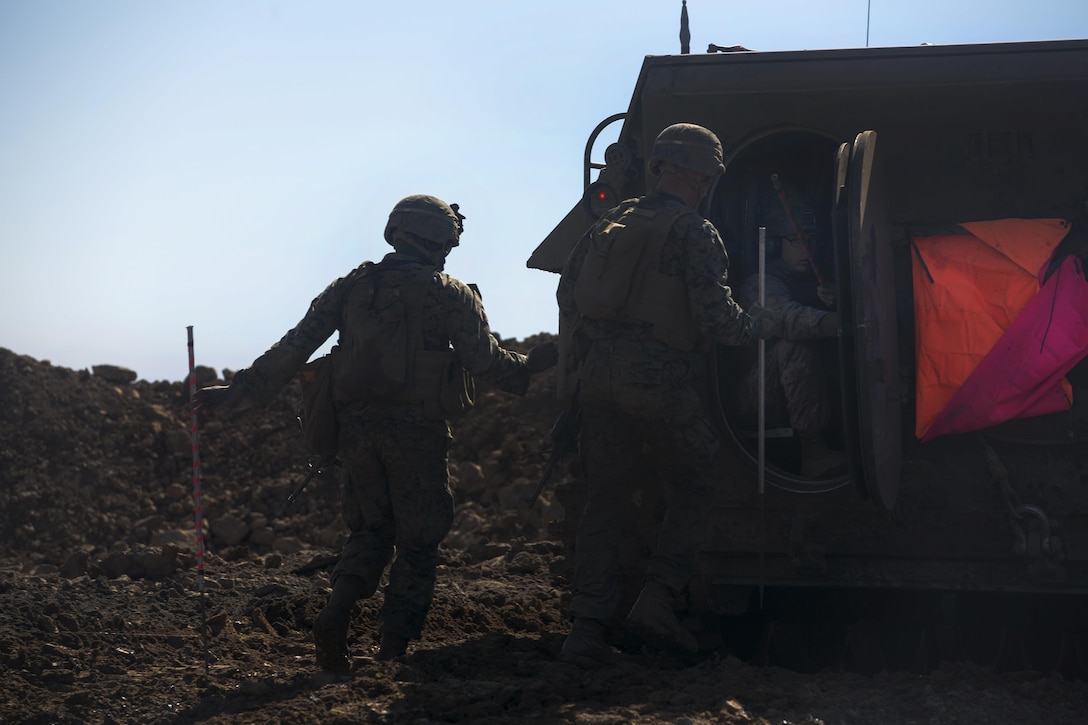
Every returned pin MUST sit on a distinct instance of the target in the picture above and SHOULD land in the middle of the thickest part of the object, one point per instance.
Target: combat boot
(654, 620)
(586, 646)
(817, 460)
(331, 639)
(393, 645)
(331, 626)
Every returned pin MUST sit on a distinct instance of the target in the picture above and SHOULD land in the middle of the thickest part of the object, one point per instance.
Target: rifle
(564, 440)
(323, 464)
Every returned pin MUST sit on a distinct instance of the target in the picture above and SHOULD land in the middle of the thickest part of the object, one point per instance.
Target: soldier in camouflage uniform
(795, 391)
(393, 447)
(642, 293)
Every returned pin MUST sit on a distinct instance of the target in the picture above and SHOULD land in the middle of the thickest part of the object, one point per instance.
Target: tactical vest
(382, 353)
(620, 278)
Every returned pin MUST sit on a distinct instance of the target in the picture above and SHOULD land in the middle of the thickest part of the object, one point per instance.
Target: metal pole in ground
(198, 504)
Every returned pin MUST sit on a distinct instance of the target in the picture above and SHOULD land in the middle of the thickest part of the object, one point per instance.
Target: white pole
(762, 404)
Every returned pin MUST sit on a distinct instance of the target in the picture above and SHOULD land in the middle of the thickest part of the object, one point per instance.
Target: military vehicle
(971, 544)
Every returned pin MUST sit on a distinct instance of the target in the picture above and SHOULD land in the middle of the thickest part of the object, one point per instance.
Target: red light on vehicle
(599, 198)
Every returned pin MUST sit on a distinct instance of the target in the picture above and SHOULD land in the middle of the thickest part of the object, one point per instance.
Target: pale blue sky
(217, 164)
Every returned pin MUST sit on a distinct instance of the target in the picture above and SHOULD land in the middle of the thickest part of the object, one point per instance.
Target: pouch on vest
(317, 412)
(452, 388)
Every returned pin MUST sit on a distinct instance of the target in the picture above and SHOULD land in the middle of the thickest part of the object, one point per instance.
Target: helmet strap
(416, 246)
(681, 182)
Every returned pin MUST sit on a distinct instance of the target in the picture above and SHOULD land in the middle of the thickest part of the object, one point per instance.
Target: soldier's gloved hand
(766, 322)
(216, 397)
(542, 357)
(828, 294)
(829, 324)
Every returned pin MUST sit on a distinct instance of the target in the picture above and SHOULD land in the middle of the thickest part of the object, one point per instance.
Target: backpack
(384, 356)
(380, 358)
(620, 281)
(381, 330)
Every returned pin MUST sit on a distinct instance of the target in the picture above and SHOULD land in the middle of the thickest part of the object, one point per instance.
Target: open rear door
(870, 335)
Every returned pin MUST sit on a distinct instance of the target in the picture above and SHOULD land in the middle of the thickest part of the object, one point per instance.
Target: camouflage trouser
(396, 496)
(635, 394)
(795, 392)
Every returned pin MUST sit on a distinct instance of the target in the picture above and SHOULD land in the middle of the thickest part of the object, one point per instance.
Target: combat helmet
(689, 145)
(426, 223)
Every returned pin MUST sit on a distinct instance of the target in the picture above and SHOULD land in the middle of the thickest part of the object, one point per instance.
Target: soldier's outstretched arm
(541, 357)
(216, 397)
(477, 349)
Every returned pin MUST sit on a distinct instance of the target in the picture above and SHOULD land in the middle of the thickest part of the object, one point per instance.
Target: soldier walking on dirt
(642, 293)
(397, 320)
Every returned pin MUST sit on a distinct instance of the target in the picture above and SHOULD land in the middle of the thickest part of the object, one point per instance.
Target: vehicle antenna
(685, 31)
(868, 14)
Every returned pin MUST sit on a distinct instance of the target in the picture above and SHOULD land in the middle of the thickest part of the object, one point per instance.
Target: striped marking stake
(198, 505)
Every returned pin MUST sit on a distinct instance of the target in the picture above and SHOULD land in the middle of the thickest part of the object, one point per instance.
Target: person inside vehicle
(795, 388)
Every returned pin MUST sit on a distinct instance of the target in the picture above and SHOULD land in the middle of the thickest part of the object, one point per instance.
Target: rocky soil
(105, 616)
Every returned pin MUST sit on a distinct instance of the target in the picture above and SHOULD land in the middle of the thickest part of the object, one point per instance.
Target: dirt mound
(102, 619)
(92, 466)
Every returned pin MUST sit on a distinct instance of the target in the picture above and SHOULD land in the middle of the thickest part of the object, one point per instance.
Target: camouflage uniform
(794, 389)
(397, 495)
(636, 391)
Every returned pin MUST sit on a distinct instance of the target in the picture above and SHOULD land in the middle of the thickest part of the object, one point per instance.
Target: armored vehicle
(966, 531)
